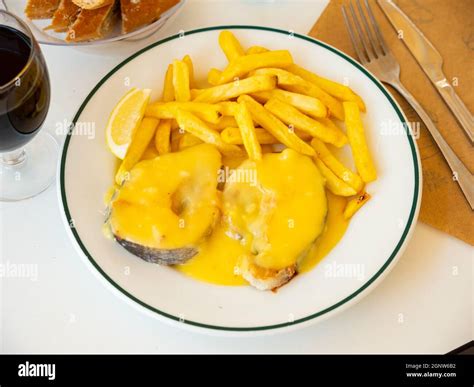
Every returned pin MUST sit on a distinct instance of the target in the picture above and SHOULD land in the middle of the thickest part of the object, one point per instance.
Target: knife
(430, 61)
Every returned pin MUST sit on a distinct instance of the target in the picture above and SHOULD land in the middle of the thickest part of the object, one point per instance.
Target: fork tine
(381, 40)
(362, 37)
(370, 36)
(355, 42)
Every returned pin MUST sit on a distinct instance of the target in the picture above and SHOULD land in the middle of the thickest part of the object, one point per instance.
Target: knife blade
(430, 61)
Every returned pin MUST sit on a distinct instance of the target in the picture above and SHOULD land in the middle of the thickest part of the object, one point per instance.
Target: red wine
(24, 89)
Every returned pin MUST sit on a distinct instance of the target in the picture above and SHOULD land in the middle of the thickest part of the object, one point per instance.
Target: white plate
(376, 236)
(57, 39)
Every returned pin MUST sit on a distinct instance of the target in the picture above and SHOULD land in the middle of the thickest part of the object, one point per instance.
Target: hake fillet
(278, 215)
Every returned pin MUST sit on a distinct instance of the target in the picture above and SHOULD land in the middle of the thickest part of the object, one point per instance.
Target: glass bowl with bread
(92, 22)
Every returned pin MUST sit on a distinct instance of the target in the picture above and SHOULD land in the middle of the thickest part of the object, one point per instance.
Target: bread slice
(92, 4)
(264, 279)
(92, 24)
(64, 16)
(138, 13)
(41, 9)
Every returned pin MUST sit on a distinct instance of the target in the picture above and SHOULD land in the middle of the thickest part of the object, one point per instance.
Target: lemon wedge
(125, 119)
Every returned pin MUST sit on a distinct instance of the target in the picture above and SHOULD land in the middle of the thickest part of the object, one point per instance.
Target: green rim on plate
(257, 328)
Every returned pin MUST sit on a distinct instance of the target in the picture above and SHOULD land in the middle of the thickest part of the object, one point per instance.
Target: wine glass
(27, 155)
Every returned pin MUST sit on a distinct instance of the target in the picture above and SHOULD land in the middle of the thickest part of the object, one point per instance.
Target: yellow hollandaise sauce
(336, 226)
(169, 202)
(275, 211)
(284, 212)
(219, 256)
(217, 260)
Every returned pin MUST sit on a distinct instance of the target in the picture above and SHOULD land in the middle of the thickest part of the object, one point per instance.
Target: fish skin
(158, 256)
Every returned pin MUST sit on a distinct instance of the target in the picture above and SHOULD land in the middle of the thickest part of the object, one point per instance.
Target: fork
(375, 55)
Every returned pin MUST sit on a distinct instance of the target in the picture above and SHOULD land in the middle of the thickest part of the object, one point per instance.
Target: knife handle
(457, 107)
(461, 174)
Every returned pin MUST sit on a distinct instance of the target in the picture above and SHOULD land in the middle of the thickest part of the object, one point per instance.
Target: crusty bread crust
(92, 24)
(64, 16)
(265, 279)
(93, 19)
(41, 9)
(92, 4)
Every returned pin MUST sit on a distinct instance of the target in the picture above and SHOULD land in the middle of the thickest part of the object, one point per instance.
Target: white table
(424, 306)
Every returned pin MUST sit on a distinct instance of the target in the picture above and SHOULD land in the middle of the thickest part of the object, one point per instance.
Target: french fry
(176, 135)
(213, 76)
(355, 204)
(224, 122)
(234, 89)
(247, 131)
(205, 111)
(267, 148)
(333, 183)
(192, 124)
(303, 135)
(272, 124)
(244, 64)
(334, 106)
(337, 90)
(150, 151)
(297, 84)
(360, 150)
(162, 137)
(292, 116)
(339, 169)
(233, 136)
(228, 108)
(230, 45)
(181, 81)
(140, 141)
(187, 140)
(256, 50)
(328, 123)
(174, 125)
(308, 105)
(187, 59)
(262, 96)
(168, 88)
(195, 92)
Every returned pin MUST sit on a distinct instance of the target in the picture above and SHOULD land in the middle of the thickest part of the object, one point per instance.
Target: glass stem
(13, 158)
